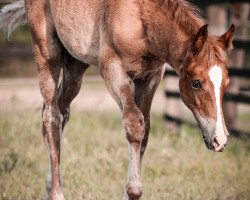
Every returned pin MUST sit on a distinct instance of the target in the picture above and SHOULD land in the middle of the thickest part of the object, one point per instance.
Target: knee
(134, 125)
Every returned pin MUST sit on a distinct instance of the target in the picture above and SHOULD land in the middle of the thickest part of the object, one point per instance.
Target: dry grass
(95, 159)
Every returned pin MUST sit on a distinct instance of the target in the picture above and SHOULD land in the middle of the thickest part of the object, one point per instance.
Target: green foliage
(95, 157)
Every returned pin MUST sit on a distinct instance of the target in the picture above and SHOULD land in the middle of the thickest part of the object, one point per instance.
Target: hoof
(134, 190)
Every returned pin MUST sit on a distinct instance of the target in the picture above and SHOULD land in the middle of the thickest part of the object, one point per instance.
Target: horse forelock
(212, 53)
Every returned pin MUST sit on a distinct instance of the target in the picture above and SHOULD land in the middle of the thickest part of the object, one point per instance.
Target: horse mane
(187, 16)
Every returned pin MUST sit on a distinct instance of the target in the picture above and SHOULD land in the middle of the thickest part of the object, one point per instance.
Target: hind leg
(52, 119)
(70, 85)
(47, 51)
(144, 93)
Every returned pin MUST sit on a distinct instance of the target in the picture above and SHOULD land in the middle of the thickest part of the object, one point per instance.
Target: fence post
(173, 109)
(217, 17)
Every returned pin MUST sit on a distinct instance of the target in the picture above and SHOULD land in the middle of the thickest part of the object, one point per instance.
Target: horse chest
(142, 69)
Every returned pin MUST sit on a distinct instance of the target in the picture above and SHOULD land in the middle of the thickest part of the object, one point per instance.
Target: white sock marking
(215, 74)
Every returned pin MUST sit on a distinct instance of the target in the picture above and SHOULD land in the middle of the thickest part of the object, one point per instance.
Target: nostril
(216, 143)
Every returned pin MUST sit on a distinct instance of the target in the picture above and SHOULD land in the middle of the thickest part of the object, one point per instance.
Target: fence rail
(179, 121)
(23, 52)
(5, 1)
(241, 44)
(205, 3)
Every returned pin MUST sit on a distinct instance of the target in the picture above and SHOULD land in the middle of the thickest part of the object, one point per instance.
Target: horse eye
(196, 84)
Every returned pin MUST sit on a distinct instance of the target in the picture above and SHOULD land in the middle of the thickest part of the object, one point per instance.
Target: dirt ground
(24, 93)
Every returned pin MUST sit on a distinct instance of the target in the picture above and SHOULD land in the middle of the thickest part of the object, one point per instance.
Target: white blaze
(215, 74)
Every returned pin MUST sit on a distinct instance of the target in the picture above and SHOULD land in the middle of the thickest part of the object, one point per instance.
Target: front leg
(134, 125)
(121, 87)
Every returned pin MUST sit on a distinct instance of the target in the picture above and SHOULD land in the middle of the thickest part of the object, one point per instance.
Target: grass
(95, 159)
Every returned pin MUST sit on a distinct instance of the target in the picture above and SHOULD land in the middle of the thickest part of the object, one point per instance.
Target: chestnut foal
(130, 40)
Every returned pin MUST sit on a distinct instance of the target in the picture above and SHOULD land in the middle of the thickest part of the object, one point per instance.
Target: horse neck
(168, 39)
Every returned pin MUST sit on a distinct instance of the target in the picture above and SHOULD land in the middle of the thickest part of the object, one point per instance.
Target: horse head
(203, 82)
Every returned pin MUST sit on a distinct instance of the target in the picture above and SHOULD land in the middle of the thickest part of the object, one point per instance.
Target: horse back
(78, 26)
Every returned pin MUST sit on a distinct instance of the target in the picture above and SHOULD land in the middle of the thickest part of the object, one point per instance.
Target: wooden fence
(240, 95)
(5, 1)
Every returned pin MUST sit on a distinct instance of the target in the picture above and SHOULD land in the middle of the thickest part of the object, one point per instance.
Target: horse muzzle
(216, 143)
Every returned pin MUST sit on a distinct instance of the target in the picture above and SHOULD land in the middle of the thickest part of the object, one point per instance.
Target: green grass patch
(94, 161)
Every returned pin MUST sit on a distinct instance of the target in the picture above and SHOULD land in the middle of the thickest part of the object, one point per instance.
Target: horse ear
(200, 38)
(227, 38)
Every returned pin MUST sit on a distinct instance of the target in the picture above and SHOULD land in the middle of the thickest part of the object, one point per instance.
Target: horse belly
(77, 25)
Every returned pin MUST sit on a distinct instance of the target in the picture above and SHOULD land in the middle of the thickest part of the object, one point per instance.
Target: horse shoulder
(125, 27)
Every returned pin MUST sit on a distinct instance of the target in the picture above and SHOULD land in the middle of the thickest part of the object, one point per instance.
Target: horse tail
(12, 16)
